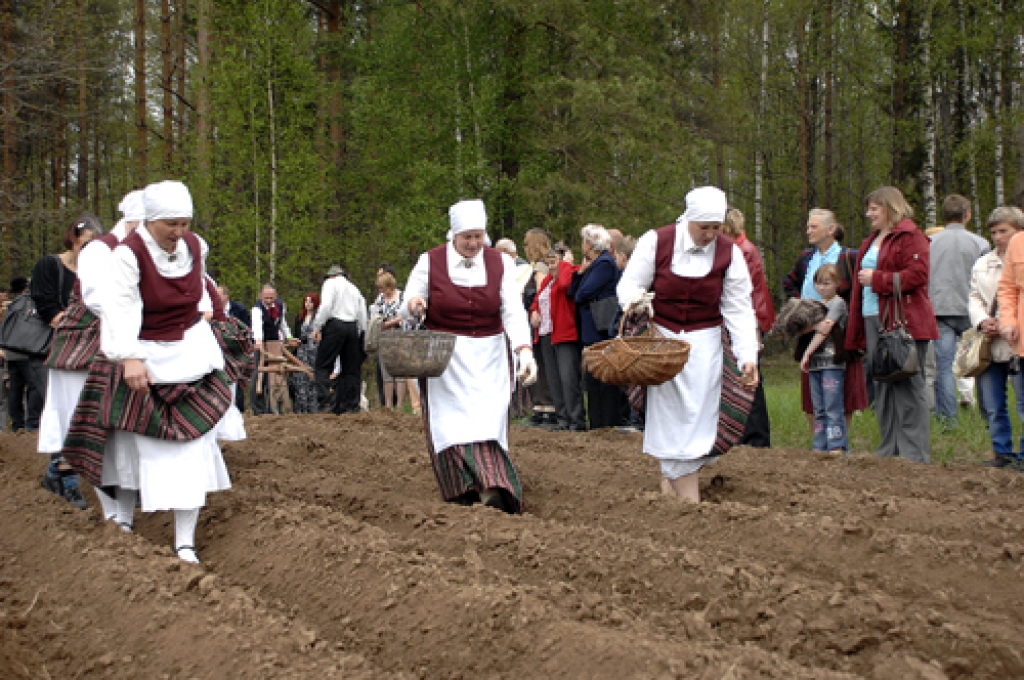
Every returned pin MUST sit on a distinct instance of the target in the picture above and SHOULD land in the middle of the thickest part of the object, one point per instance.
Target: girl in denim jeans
(825, 361)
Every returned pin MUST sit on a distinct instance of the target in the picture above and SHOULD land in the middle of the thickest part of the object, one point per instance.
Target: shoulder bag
(974, 350)
(896, 356)
(22, 329)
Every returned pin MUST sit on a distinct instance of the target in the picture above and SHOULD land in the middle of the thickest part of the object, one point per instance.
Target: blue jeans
(829, 416)
(992, 387)
(950, 329)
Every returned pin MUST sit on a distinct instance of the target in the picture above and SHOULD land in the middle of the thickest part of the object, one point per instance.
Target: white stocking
(185, 534)
(126, 499)
(107, 503)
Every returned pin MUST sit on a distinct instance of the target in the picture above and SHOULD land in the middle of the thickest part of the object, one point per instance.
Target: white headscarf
(167, 200)
(468, 216)
(132, 209)
(132, 206)
(705, 204)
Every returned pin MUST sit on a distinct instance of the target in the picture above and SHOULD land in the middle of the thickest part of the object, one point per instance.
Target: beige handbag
(973, 351)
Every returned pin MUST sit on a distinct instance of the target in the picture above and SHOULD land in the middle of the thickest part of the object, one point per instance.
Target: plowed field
(333, 556)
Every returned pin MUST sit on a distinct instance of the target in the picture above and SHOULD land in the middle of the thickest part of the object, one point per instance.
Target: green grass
(967, 442)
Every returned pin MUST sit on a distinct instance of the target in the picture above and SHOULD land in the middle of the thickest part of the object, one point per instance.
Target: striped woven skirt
(464, 470)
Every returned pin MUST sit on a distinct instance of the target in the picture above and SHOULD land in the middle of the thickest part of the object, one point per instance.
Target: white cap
(167, 200)
(132, 206)
(467, 216)
(705, 204)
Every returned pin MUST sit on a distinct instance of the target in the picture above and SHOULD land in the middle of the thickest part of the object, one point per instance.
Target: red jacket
(761, 297)
(905, 251)
(563, 307)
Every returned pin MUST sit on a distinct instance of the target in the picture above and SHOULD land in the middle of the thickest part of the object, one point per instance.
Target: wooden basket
(648, 359)
(415, 354)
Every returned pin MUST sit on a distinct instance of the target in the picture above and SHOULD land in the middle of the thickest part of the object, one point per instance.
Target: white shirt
(736, 306)
(985, 277)
(339, 299)
(513, 314)
(120, 309)
(257, 325)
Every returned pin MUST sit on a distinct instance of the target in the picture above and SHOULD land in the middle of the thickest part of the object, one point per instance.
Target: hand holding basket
(648, 359)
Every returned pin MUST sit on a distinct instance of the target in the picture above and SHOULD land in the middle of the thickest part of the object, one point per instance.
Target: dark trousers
(260, 402)
(339, 339)
(757, 432)
(562, 367)
(605, 403)
(540, 391)
(27, 393)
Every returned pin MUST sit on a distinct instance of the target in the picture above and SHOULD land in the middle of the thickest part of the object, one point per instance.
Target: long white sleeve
(418, 285)
(738, 309)
(94, 265)
(257, 325)
(639, 274)
(323, 314)
(513, 313)
(121, 308)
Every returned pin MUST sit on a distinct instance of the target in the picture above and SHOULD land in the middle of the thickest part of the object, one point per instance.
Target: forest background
(317, 131)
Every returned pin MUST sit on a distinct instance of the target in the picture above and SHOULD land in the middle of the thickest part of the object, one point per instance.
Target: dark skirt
(464, 470)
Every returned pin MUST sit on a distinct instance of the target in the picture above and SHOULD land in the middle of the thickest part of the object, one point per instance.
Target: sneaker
(1000, 461)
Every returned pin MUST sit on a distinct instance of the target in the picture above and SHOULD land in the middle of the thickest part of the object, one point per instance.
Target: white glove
(527, 372)
(642, 305)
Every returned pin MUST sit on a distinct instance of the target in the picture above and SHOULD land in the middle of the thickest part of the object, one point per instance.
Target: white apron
(682, 414)
(172, 475)
(469, 401)
(62, 391)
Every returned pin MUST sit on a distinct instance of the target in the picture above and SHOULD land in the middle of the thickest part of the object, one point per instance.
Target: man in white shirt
(338, 327)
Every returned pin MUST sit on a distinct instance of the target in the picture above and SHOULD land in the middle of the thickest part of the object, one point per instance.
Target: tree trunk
(202, 88)
(273, 178)
(902, 74)
(928, 171)
(829, 9)
(10, 138)
(180, 7)
(167, 82)
(759, 153)
(82, 185)
(334, 79)
(970, 110)
(997, 113)
(141, 117)
(805, 132)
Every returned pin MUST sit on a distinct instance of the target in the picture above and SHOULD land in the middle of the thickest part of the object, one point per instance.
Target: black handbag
(23, 330)
(896, 356)
(605, 314)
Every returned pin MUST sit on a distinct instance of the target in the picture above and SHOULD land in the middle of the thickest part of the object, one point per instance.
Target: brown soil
(334, 557)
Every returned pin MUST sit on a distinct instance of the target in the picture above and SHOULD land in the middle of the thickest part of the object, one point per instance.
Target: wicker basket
(648, 359)
(415, 354)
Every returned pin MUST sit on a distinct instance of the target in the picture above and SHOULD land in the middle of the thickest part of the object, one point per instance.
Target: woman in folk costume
(470, 289)
(77, 336)
(56, 291)
(698, 283)
(161, 392)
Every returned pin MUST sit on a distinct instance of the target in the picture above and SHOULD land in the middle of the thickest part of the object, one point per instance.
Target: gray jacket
(954, 251)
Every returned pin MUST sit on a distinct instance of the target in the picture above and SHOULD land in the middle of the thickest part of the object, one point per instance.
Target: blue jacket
(597, 283)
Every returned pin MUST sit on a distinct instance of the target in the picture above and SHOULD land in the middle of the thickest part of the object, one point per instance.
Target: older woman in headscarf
(593, 286)
(700, 284)
(77, 335)
(161, 392)
(469, 289)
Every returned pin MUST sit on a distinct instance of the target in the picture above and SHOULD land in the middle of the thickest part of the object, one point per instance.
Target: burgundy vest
(169, 306)
(683, 303)
(473, 311)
